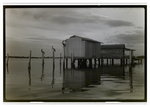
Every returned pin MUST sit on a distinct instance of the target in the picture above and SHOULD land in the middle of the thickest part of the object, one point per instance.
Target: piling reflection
(29, 74)
(53, 74)
(42, 76)
(131, 78)
(7, 67)
(60, 69)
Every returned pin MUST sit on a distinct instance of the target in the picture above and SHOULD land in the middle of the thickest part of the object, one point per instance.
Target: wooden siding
(75, 46)
(92, 49)
(112, 51)
(82, 47)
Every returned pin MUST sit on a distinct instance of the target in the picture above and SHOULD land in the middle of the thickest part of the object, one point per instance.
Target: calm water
(45, 82)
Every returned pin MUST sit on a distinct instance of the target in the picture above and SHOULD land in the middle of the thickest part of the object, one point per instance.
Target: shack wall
(75, 46)
(92, 49)
(112, 53)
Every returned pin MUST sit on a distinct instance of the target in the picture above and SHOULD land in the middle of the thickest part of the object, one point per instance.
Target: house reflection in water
(76, 79)
(113, 71)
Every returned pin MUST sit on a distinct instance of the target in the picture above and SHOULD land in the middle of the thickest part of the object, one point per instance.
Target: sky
(41, 28)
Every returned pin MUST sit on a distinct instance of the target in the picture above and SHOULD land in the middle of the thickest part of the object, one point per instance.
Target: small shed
(82, 47)
(113, 51)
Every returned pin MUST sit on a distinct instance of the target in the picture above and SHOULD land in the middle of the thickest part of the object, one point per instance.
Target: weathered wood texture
(113, 51)
(92, 49)
(82, 47)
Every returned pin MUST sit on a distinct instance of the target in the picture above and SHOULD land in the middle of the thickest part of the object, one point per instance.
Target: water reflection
(76, 79)
(60, 67)
(117, 71)
(7, 69)
(29, 74)
(113, 71)
(107, 81)
(53, 74)
(42, 76)
(131, 78)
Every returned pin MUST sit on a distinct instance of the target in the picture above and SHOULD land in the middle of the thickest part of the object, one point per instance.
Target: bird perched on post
(63, 42)
(53, 49)
(42, 51)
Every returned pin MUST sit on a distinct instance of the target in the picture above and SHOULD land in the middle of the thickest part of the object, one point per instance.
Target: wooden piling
(71, 60)
(60, 59)
(131, 78)
(42, 56)
(90, 63)
(126, 61)
(98, 62)
(107, 61)
(29, 64)
(123, 61)
(63, 84)
(53, 56)
(53, 66)
(60, 63)
(66, 63)
(102, 61)
(131, 55)
(120, 61)
(84, 63)
(7, 59)
(42, 59)
(112, 61)
(94, 62)
(78, 63)
(64, 60)
(53, 59)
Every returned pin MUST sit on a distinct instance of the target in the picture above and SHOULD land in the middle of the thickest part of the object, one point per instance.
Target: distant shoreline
(28, 57)
(25, 57)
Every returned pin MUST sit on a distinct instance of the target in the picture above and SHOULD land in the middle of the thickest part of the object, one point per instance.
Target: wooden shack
(82, 47)
(116, 51)
(113, 51)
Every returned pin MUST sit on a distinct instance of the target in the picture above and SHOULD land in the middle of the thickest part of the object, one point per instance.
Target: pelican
(63, 43)
(53, 49)
(42, 51)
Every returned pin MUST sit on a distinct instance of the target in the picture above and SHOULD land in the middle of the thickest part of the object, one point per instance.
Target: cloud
(41, 26)
(138, 27)
(131, 38)
(46, 40)
(118, 23)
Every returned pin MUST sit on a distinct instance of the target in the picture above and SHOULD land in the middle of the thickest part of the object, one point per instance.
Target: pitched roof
(85, 39)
